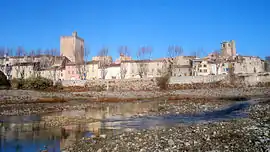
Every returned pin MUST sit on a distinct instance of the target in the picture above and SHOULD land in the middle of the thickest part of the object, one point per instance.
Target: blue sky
(192, 24)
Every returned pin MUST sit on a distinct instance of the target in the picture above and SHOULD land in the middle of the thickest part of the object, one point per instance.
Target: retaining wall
(150, 83)
(196, 79)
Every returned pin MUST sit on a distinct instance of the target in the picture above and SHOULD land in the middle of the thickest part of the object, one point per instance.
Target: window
(157, 64)
(200, 70)
(205, 70)
(204, 65)
(229, 45)
(224, 45)
(61, 74)
(72, 72)
(68, 72)
(153, 70)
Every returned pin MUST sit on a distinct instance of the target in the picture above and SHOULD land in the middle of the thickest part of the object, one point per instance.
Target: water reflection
(30, 134)
(231, 112)
(22, 137)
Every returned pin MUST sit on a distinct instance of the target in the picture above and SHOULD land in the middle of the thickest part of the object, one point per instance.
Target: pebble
(171, 142)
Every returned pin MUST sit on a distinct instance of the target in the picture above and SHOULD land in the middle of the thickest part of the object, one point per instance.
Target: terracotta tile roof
(87, 63)
(26, 64)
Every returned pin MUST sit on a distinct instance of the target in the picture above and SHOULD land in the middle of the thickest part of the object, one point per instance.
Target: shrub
(16, 83)
(4, 82)
(162, 82)
(58, 85)
(36, 83)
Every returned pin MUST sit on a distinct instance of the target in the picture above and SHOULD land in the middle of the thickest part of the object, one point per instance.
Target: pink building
(71, 72)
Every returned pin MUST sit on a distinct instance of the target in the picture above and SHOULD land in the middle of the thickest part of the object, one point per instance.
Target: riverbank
(245, 134)
(26, 102)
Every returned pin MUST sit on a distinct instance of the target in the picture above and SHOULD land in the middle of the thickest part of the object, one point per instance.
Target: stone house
(248, 64)
(239, 64)
(204, 67)
(147, 68)
(92, 70)
(25, 70)
(112, 71)
(106, 60)
(53, 73)
(88, 70)
(182, 66)
(122, 57)
(73, 71)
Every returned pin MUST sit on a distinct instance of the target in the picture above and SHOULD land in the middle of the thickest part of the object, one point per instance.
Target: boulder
(4, 82)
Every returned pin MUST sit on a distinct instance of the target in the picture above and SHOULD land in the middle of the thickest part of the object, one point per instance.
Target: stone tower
(228, 48)
(72, 47)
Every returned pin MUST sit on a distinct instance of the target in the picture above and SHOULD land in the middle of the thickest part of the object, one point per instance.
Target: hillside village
(72, 64)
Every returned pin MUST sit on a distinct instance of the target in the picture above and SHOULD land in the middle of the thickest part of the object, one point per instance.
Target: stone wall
(150, 83)
(114, 84)
(255, 79)
(68, 83)
(196, 79)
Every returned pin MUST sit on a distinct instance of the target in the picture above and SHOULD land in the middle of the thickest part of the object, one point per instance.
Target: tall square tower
(72, 47)
(228, 48)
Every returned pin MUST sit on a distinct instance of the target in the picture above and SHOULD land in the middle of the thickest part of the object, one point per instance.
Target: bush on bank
(162, 82)
(32, 83)
(4, 83)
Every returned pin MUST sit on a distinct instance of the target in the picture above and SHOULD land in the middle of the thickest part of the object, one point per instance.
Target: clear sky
(192, 24)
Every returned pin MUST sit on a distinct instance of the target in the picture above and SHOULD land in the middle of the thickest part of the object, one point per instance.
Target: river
(28, 134)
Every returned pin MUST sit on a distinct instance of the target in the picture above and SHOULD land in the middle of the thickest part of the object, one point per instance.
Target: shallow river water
(27, 134)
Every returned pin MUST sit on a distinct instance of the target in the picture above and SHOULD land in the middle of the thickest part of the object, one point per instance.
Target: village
(72, 64)
(190, 101)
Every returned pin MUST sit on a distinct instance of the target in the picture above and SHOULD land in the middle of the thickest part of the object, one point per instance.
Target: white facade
(151, 68)
(111, 72)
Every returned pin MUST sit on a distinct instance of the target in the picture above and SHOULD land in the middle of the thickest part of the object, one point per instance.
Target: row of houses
(61, 68)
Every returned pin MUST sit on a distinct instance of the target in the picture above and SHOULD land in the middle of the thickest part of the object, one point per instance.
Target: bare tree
(8, 67)
(123, 51)
(20, 70)
(103, 62)
(198, 53)
(219, 60)
(86, 55)
(31, 59)
(173, 51)
(47, 52)
(9, 52)
(38, 52)
(144, 56)
(123, 71)
(52, 61)
(2, 52)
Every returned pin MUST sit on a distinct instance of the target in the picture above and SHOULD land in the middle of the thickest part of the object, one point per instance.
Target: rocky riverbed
(25, 102)
(246, 134)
